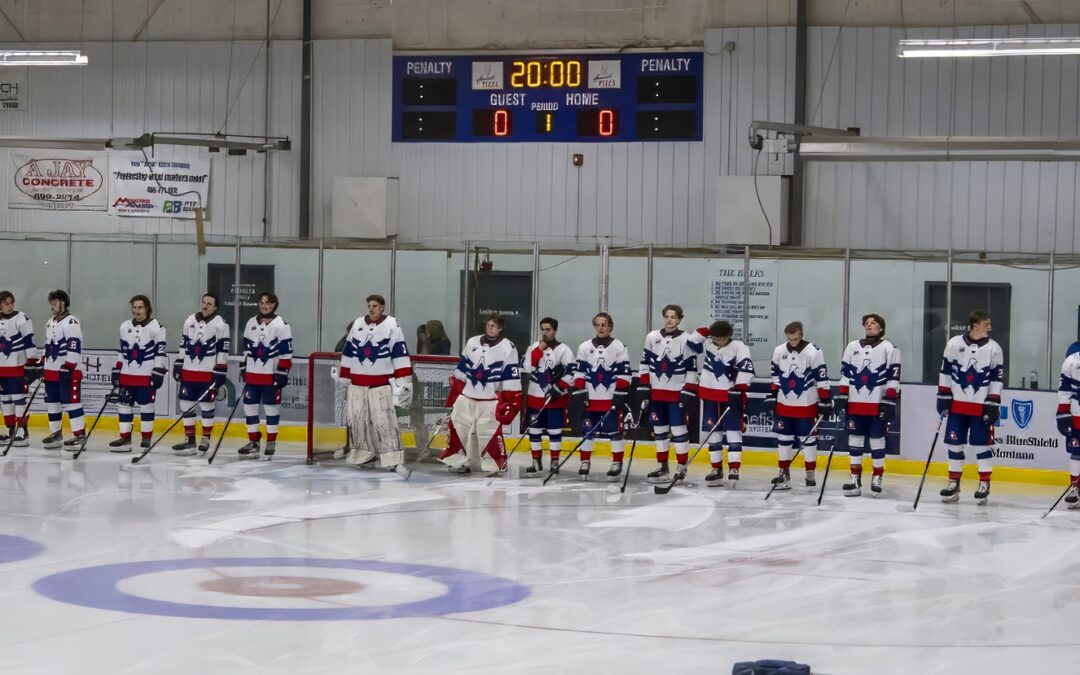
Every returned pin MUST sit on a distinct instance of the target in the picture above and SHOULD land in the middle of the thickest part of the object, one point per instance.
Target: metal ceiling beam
(941, 149)
(146, 141)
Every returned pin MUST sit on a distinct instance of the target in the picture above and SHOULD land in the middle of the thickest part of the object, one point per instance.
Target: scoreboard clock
(548, 98)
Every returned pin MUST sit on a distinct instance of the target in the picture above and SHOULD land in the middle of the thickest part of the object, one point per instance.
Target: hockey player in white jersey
(799, 393)
(20, 366)
(1068, 423)
(63, 374)
(669, 370)
(602, 373)
(375, 362)
(549, 365)
(869, 389)
(726, 371)
(969, 391)
(268, 352)
(485, 393)
(139, 372)
(201, 368)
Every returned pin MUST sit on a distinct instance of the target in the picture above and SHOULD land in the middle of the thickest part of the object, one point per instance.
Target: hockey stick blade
(135, 460)
(22, 418)
(630, 463)
(408, 472)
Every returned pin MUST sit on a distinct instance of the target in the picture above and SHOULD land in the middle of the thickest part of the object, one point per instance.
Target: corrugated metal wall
(133, 88)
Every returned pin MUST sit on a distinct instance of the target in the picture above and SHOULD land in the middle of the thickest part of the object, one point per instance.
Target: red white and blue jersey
(374, 353)
(142, 349)
(16, 344)
(974, 371)
(267, 347)
(800, 379)
(603, 367)
(1069, 388)
(204, 347)
(63, 346)
(488, 367)
(545, 365)
(669, 363)
(723, 369)
(869, 372)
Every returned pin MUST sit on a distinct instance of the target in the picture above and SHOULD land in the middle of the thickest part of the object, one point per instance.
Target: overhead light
(42, 57)
(1049, 46)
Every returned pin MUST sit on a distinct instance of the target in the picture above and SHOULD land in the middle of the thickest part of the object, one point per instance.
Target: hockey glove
(840, 402)
(824, 407)
(508, 406)
(991, 412)
(402, 392)
(281, 379)
(618, 398)
(887, 410)
(944, 400)
(116, 376)
(177, 369)
(1064, 420)
(243, 374)
(770, 401)
(559, 389)
(456, 387)
(220, 378)
(157, 378)
(33, 372)
(688, 398)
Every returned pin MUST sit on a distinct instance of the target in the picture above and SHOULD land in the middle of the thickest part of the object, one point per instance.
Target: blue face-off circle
(16, 548)
(96, 587)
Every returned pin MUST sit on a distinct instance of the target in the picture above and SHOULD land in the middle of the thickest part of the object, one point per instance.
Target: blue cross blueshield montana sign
(1022, 411)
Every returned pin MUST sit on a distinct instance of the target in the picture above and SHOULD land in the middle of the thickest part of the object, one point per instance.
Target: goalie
(375, 362)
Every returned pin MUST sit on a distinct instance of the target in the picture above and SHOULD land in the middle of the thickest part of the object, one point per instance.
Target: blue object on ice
(770, 667)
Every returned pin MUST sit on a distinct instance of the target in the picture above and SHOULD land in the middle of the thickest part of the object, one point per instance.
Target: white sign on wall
(160, 188)
(62, 179)
(14, 89)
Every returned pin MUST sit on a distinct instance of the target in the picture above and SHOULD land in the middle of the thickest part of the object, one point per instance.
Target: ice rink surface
(110, 568)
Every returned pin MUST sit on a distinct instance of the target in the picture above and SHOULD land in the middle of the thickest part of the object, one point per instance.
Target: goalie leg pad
(360, 448)
(384, 428)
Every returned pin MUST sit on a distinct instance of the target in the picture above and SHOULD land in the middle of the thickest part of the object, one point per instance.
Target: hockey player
(602, 373)
(139, 372)
(63, 374)
(800, 390)
(19, 368)
(549, 365)
(969, 391)
(869, 387)
(485, 393)
(375, 362)
(669, 370)
(726, 372)
(1068, 422)
(268, 354)
(202, 370)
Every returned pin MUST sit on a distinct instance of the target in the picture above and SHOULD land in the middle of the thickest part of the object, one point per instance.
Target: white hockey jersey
(488, 367)
(800, 379)
(267, 347)
(669, 363)
(204, 347)
(974, 371)
(603, 366)
(63, 346)
(374, 353)
(545, 365)
(16, 344)
(142, 349)
(869, 372)
(1069, 388)
(725, 368)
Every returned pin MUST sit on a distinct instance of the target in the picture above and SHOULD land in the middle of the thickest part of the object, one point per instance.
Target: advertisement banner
(14, 92)
(160, 188)
(59, 180)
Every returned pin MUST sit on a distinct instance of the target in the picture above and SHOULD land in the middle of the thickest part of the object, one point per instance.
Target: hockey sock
(56, 418)
(810, 454)
(251, 418)
(536, 445)
(273, 417)
(616, 450)
(956, 462)
(856, 464)
(985, 460)
(877, 455)
(1074, 469)
(127, 420)
(734, 455)
(586, 450)
(662, 445)
(76, 418)
(146, 424)
(716, 455)
(555, 447)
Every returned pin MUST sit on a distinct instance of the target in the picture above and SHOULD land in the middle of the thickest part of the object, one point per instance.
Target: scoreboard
(553, 98)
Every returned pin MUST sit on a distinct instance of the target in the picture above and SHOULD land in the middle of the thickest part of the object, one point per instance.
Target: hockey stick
(680, 475)
(86, 436)
(135, 460)
(828, 463)
(210, 459)
(930, 456)
(589, 434)
(427, 451)
(636, 423)
(22, 418)
(1058, 500)
(796, 455)
(506, 462)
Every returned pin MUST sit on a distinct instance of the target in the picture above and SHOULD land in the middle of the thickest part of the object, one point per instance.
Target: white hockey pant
(373, 424)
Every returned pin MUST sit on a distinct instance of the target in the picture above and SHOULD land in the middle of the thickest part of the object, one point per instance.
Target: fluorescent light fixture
(1049, 46)
(42, 57)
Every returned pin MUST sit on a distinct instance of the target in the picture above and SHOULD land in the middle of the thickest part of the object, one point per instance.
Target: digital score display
(548, 99)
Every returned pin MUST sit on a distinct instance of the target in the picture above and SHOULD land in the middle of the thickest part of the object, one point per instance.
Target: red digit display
(501, 125)
(606, 122)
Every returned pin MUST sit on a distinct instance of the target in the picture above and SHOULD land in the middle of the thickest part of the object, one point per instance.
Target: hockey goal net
(327, 428)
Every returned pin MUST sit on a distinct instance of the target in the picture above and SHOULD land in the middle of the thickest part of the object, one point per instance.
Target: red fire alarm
(577, 159)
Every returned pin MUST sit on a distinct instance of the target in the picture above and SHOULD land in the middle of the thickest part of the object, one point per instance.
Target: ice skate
(535, 470)
(811, 478)
(268, 452)
(733, 477)
(660, 474)
(186, 448)
(875, 484)
(951, 492)
(53, 440)
(204, 445)
(715, 477)
(1072, 496)
(583, 470)
(362, 457)
(853, 488)
(614, 471)
(782, 480)
(120, 445)
(982, 493)
(249, 451)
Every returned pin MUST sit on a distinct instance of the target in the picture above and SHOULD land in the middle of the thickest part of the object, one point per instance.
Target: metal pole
(648, 291)
(1050, 326)
(535, 308)
(847, 296)
(305, 126)
(319, 299)
(948, 299)
(746, 295)
(605, 252)
(238, 330)
(798, 171)
(462, 336)
(266, 130)
(67, 283)
(393, 275)
(153, 272)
